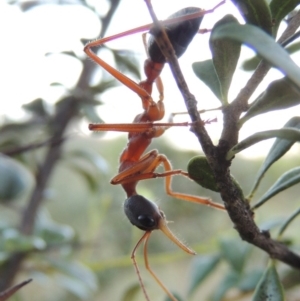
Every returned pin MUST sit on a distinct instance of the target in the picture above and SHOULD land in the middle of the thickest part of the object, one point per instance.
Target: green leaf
(74, 286)
(103, 85)
(200, 171)
(280, 94)
(288, 221)
(89, 111)
(271, 224)
(131, 292)
(88, 164)
(264, 45)
(52, 232)
(178, 298)
(293, 48)
(249, 280)
(278, 149)
(225, 54)
(89, 177)
(238, 257)
(14, 179)
(202, 266)
(229, 280)
(70, 53)
(206, 72)
(280, 9)
(252, 63)
(56, 233)
(269, 287)
(256, 12)
(38, 107)
(284, 133)
(90, 156)
(127, 61)
(14, 241)
(75, 277)
(287, 180)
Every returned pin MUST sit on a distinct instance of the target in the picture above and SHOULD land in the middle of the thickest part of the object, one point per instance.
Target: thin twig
(10, 291)
(26, 148)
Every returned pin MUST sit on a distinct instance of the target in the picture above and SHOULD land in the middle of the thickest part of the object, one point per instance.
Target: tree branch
(238, 209)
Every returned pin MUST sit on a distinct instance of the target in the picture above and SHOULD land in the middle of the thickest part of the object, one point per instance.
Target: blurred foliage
(79, 245)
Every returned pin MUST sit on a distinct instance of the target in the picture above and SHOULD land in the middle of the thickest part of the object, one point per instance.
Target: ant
(181, 27)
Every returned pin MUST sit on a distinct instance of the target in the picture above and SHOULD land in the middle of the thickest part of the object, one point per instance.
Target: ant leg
(115, 73)
(155, 129)
(145, 236)
(144, 170)
(183, 196)
(174, 114)
(154, 111)
(146, 239)
(160, 88)
(135, 171)
(158, 80)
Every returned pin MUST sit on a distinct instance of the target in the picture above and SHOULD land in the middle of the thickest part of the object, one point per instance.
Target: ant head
(143, 213)
(146, 215)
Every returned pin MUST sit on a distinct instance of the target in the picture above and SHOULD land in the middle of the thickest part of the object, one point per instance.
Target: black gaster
(180, 34)
(142, 213)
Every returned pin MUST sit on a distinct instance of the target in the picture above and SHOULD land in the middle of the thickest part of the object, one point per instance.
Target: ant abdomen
(180, 34)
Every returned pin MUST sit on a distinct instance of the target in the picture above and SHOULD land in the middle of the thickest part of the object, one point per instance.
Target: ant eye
(146, 221)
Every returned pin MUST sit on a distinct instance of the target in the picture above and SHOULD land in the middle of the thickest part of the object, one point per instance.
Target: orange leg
(115, 73)
(140, 127)
(136, 171)
(162, 225)
(154, 111)
(183, 196)
(142, 93)
(145, 236)
(144, 169)
(158, 81)
(146, 239)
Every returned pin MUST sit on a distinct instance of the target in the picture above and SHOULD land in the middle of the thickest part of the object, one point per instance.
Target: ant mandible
(181, 27)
